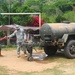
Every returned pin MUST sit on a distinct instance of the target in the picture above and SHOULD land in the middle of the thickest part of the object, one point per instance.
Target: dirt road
(10, 61)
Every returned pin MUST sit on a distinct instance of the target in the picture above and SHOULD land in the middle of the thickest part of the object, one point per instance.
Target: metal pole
(19, 13)
(9, 12)
(8, 32)
(39, 20)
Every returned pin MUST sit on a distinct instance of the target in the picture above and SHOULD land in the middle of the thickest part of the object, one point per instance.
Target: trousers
(20, 45)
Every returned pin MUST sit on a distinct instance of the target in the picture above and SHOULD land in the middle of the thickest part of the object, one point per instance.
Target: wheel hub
(72, 50)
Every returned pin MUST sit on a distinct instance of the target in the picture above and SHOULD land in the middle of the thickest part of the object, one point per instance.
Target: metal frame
(24, 14)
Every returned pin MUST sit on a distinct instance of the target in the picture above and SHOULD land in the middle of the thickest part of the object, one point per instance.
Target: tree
(60, 19)
(64, 5)
(49, 9)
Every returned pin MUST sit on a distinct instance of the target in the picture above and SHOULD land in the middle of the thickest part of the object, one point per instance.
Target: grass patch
(9, 47)
(3, 71)
(66, 67)
(62, 69)
(13, 47)
(54, 71)
(59, 70)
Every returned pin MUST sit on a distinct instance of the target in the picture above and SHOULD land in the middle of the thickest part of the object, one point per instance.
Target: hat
(17, 26)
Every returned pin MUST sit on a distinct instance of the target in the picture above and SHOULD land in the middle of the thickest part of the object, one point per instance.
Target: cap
(17, 26)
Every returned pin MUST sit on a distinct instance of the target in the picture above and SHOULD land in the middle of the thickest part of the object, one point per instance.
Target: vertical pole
(9, 11)
(39, 20)
(8, 40)
(0, 51)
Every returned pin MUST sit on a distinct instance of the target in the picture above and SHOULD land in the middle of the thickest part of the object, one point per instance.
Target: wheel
(30, 58)
(69, 49)
(50, 50)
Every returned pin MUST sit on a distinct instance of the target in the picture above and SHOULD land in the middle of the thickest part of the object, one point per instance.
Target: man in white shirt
(21, 37)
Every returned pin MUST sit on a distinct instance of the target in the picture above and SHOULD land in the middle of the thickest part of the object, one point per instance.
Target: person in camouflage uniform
(21, 38)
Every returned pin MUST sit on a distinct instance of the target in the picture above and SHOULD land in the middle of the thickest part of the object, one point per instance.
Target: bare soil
(12, 62)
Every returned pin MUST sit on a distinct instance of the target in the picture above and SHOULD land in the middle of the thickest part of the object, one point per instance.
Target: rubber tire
(50, 50)
(67, 49)
(30, 58)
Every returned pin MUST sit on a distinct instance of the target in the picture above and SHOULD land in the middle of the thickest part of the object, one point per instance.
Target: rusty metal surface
(56, 30)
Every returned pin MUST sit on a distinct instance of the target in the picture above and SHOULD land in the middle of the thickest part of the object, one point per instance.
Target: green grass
(3, 71)
(9, 47)
(13, 47)
(58, 70)
(53, 71)
(62, 69)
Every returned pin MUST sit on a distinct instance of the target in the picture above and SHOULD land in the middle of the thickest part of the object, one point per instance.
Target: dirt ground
(12, 62)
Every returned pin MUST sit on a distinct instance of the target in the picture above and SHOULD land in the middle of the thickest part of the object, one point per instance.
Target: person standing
(1, 39)
(20, 37)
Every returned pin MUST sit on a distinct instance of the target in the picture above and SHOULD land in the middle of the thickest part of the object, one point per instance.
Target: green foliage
(1, 33)
(70, 15)
(60, 18)
(4, 20)
(64, 5)
(45, 17)
(21, 19)
(50, 9)
(16, 7)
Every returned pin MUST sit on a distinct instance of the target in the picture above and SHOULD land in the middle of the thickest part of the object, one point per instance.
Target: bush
(70, 15)
(60, 18)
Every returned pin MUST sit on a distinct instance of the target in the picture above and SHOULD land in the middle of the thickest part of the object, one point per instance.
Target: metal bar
(24, 14)
(17, 13)
(39, 20)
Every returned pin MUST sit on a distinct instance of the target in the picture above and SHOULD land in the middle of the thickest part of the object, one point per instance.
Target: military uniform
(21, 36)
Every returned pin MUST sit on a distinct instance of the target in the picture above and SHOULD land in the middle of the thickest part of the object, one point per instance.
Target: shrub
(60, 18)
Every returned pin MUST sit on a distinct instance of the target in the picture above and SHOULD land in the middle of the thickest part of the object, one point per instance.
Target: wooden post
(8, 40)
(0, 52)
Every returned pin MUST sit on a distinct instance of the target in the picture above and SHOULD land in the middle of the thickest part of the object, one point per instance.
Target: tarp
(5, 28)
(13, 27)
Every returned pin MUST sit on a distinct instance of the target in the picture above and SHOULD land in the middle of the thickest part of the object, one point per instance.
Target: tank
(54, 31)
